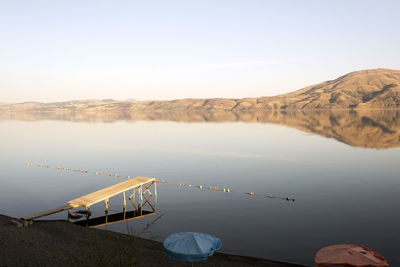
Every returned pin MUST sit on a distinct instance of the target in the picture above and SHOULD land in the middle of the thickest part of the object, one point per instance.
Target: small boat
(74, 216)
(86, 212)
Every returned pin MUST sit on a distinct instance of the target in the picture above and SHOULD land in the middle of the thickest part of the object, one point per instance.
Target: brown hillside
(367, 89)
(378, 88)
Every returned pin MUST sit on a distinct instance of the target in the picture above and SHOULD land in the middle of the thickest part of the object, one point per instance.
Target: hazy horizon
(59, 51)
(139, 100)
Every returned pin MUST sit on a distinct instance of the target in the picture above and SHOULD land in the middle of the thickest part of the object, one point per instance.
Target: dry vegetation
(377, 88)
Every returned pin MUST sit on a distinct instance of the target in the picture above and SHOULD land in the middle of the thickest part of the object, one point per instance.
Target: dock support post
(155, 196)
(106, 201)
(124, 210)
(123, 195)
(147, 199)
(132, 198)
(141, 199)
(88, 213)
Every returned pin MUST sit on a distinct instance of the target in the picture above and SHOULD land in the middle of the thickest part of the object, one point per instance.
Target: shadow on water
(379, 129)
(108, 219)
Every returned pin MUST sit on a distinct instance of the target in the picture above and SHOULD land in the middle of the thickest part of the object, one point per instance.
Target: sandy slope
(60, 243)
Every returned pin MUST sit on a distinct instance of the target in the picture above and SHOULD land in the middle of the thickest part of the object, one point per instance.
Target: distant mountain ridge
(366, 89)
(377, 88)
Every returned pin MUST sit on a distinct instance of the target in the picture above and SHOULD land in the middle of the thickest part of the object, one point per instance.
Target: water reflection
(109, 219)
(379, 129)
(343, 195)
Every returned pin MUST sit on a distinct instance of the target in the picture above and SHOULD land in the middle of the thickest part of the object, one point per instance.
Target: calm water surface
(345, 192)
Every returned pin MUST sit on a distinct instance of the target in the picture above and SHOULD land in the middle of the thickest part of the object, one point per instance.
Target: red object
(349, 255)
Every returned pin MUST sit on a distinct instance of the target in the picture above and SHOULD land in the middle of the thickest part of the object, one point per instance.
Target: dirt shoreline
(61, 243)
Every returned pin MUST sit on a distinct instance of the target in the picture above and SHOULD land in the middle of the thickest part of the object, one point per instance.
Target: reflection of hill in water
(369, 128)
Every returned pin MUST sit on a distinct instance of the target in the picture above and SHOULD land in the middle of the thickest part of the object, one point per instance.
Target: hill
(367, 89)
(378, 88)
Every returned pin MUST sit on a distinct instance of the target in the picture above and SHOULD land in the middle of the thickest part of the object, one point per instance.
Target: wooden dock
(140, 185)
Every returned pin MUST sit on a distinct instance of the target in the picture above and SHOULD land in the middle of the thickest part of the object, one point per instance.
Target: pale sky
(64, 50)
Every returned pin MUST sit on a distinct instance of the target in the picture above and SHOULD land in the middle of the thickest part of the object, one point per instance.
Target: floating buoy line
(86, 171)
(227, 190)
(200, 187)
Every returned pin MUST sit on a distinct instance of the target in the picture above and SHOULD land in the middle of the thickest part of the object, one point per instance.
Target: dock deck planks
(46, 212)
(108, 192)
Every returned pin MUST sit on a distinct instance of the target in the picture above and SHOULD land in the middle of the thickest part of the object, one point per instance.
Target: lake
(342, 168)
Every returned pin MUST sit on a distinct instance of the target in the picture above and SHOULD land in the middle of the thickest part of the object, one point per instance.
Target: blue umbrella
(191, 246)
